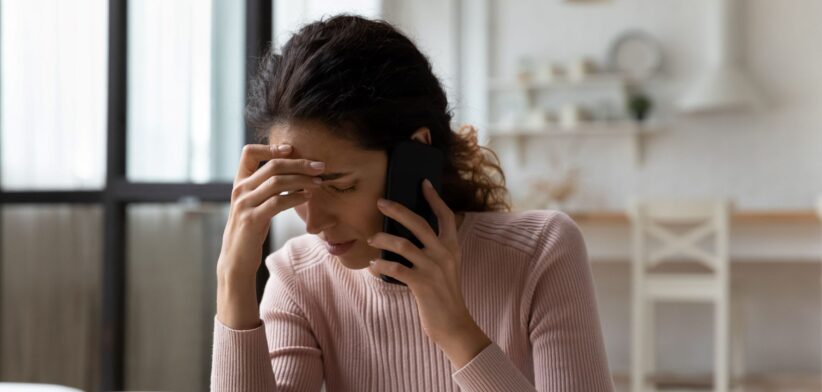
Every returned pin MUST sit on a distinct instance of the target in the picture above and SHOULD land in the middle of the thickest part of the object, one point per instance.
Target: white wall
(432, 25)
(765, 160)
(771, 159)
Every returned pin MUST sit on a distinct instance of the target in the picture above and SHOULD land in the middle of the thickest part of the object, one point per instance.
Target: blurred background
(121, 128)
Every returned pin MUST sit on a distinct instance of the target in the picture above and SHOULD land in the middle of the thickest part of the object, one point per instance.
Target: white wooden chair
(663, 222)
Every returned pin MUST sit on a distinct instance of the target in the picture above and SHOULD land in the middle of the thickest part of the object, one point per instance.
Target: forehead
(316, 141)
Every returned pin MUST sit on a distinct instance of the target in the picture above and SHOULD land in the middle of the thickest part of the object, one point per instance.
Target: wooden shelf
(591, 129)
(591, 81)
(739, 216)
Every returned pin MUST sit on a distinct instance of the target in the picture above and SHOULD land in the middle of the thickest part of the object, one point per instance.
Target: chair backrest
(664, 221)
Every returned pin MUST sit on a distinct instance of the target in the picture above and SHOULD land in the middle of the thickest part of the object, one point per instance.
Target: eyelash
(346, 190)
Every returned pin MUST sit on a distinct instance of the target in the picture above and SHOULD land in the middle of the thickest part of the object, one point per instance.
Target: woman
(497, 301)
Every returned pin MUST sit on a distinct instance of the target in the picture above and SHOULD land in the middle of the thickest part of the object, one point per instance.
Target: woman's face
(344, 208)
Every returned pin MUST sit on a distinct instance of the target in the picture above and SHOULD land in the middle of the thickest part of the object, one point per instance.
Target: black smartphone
(409, 163)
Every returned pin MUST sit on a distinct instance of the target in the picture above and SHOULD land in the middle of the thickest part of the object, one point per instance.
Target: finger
(276, 185)
(402, 247)
(283, 166)
(445, 217)
(253, 154)
(396, 271)
(412, 221)
(276, 204)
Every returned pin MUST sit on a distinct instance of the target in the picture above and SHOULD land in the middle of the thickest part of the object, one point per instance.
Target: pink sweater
(526, 281)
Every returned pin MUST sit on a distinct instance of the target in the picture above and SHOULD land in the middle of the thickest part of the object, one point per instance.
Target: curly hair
(370, 84)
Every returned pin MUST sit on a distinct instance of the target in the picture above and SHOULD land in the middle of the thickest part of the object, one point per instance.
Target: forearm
(237, 300)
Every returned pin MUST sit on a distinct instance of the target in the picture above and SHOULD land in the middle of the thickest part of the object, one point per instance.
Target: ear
(422, 135)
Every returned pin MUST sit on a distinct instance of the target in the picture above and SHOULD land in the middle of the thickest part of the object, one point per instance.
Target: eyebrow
(333, 176)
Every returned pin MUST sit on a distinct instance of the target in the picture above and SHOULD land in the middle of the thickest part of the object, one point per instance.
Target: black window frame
(118, 192)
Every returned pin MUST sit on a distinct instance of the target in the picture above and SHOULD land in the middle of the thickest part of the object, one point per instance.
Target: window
(121, 131)
(53, 94)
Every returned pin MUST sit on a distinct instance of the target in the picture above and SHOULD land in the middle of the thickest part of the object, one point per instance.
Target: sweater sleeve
(565, 332)
(562, 320)
(280, 355)
(490, 371)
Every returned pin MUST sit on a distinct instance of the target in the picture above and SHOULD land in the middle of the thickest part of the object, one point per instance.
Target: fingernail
(369, 240)
(428, 184)
(284, 147)
(317, 180)
(383, 203)
(372, 262)
(317, 165)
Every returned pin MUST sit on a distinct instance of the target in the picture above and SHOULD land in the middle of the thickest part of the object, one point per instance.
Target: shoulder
(533, 232)
(296, 255)
(284, 289)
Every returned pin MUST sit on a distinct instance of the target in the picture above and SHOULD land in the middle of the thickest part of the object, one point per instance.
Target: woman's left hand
(435, 277)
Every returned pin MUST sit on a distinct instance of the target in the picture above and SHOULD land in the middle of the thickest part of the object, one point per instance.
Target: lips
(339, 248)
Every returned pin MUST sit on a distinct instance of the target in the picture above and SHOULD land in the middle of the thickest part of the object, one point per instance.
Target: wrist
(228, 273)
(461, 347)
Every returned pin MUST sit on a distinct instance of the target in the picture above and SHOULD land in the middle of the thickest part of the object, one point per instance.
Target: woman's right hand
(257, 196)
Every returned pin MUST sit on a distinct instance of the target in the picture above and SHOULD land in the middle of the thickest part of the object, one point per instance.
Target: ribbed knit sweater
(526, 282)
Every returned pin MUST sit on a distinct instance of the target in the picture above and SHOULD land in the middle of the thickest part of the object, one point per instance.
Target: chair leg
(637, 344)
(650, 344)
(721, 344)
(738, 349)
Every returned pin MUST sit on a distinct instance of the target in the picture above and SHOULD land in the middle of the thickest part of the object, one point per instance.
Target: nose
(318, 216)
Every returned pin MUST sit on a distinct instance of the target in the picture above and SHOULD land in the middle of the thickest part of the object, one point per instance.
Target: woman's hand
(435, 277)
(257, 196)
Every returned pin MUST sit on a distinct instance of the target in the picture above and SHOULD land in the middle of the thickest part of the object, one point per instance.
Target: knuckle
(241, 203)
(273, 181)
(246, 219)
(247, 149)
(236, 192)
(405, 245)
(393, 268)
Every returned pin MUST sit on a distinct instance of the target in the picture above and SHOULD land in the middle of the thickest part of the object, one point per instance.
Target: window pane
(186, 89)
(53, 93)
(171, 291)
(290, 15)
(50, 294)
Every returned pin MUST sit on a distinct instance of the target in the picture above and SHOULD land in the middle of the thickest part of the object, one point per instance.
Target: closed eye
(343, 190)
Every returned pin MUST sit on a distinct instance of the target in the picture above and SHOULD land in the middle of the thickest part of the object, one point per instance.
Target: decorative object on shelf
(639, 105)
(724, 86)
(636, 55)
(549, 72)
(580, 69)
(572, 115)
(551, 193)
(539, 118)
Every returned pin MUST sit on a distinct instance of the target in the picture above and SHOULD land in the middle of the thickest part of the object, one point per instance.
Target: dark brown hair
(370, 84)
